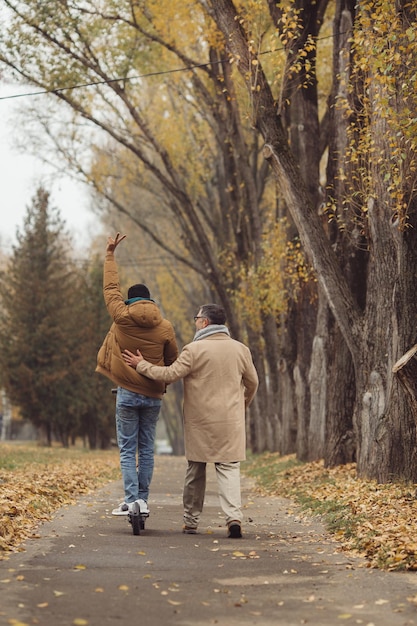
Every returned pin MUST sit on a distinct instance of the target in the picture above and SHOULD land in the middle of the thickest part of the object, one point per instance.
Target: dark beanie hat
(138, 291)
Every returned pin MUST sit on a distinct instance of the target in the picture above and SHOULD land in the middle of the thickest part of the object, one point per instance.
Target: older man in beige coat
(220, 381)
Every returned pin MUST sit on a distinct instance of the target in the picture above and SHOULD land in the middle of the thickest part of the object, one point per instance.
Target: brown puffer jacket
(139, 325)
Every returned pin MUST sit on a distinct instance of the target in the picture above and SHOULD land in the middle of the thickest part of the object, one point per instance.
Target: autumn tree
(213, 214)
(379, 326)
(218, 201)
(195, 149)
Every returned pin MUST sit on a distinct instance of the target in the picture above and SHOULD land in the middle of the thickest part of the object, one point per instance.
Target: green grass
(268, 469)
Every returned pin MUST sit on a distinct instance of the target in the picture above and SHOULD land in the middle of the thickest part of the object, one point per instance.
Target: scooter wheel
(134, 518)
(142, 523)
(136, 524)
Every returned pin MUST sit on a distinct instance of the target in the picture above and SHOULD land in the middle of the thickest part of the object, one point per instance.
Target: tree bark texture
(406, 370)
(382, 418)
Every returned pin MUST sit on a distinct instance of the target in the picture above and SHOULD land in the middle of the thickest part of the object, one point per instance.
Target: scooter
(136, 518)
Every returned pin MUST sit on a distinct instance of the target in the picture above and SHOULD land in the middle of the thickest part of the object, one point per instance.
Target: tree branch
(282, 161)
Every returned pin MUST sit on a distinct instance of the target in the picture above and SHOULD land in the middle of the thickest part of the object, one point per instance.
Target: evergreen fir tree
(39, 334)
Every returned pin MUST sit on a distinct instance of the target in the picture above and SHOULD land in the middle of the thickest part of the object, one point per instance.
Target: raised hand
(113, 243)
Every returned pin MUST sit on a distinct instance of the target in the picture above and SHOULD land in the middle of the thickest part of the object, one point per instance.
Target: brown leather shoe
(189, 530)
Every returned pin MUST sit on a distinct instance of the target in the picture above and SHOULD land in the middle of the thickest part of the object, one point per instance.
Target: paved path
(87, 568)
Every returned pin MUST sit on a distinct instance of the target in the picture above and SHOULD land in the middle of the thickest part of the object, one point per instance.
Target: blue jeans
(136, 418)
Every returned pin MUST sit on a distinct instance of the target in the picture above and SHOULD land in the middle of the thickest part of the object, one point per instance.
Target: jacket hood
(145, 313)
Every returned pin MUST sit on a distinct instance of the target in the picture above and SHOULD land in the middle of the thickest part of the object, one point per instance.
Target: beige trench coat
(220, 380)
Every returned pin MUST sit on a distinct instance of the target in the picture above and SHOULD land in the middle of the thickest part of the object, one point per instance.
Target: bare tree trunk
(299, 108)
(273, 428)
(340, 439)
(406, 370)
(318, 384)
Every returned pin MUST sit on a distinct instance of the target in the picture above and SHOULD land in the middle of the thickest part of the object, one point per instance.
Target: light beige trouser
(228, 484)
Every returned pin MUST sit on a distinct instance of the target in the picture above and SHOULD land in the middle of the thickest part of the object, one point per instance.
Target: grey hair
(215, 313)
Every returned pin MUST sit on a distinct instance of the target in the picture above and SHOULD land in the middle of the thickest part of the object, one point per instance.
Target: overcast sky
(20, 176)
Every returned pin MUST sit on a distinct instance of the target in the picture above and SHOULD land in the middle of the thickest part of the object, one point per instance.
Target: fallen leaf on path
(56, 480)
(375, 521)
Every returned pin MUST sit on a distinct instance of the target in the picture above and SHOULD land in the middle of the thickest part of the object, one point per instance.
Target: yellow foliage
(266, 288)
(382, 143)
(175, 290)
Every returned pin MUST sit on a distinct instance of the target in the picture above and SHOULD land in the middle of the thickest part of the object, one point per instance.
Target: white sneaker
(122, 509)
(143, 507)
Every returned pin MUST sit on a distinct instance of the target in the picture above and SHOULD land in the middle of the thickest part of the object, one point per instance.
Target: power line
(139, 76)
(107, 82)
